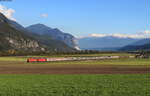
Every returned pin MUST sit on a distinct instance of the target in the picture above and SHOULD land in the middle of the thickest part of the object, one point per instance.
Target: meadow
(75, 85)
(21, 60)
(109, 77)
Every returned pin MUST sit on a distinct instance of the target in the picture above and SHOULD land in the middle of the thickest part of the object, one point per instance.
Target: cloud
(8, 12)
(143, 34)
(44, 15)
(98, 35)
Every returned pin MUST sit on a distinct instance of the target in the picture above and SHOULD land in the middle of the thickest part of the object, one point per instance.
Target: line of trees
(14, 52)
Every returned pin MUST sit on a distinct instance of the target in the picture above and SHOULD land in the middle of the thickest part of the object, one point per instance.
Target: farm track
(23, 68)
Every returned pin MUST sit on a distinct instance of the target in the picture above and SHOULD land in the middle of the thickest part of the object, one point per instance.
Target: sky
(84, 17)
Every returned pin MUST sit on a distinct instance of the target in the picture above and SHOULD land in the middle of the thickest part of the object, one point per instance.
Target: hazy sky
(84, 17)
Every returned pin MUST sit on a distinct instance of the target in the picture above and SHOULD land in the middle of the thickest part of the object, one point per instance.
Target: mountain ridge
(14, 36)
(107, 42)
(143, 44)
(54, 33)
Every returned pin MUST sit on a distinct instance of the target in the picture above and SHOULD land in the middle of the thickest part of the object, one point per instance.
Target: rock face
(13, 36)
(23, 43)
(54, 34)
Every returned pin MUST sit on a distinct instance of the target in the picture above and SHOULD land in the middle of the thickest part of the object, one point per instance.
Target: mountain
(54, 34)
(54, 45)
(104, 43)
(10, 38)
(136, 47)
(15, 37)
(143, 44)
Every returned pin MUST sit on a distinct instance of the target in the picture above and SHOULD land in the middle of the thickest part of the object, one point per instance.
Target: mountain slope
(14, 39)
(13, 36)
(136, 47)
(104, 43)
(53, 45)
(54, 34)
(143, 44)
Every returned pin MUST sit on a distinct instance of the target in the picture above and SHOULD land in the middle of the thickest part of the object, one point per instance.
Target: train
(69, 58)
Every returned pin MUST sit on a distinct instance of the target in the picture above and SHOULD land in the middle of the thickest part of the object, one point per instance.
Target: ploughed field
(18, 65)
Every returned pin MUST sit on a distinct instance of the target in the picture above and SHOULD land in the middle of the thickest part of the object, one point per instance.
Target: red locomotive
(36, 60)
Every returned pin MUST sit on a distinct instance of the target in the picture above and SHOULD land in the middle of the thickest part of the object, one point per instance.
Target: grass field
(75, 85)
(126, 61)
(18, 65)
(23, 58)
(44, 79)
(122, 61)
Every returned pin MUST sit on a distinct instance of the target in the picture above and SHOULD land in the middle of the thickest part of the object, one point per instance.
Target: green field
(106, 62)
(75, 85)
(23, 58)
(122, 61)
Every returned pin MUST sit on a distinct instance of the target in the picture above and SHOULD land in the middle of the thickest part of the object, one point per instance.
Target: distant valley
(107, 43)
